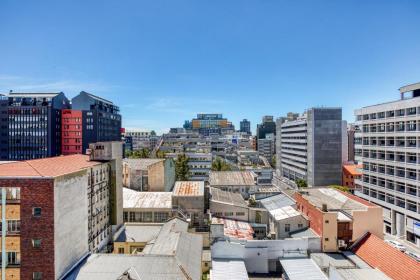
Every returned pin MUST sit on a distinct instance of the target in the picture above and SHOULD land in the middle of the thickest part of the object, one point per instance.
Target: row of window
(389, 114)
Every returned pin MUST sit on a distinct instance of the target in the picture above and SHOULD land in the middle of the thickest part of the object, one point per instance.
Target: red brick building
(50, 199)
(71, 131)
(350, 173)
(339, 218)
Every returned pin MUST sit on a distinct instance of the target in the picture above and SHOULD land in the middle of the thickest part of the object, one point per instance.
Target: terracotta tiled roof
(47, 167)
(378, 254)
(352, 169)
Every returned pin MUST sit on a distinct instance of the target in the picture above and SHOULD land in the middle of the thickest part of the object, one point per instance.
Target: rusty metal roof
(235, 229)
(189, 188)
(232, 178)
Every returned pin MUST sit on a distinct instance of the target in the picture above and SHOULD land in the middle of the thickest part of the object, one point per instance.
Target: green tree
(301, 183)
(160, 154)
(143, 153)
(219, 164)
(341, 188)
(273, 161)
(182, 169)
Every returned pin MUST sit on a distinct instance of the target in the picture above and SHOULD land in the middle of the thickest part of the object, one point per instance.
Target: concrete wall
(70, 220)
(258, 254)
(220, 209)
(294, 222)
(370, 220)
(170, 175)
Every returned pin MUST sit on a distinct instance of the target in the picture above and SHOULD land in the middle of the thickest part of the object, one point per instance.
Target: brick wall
(35, 193)
(314, 214)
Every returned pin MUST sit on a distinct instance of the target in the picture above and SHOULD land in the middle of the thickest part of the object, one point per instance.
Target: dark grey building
(310, 147)
(34, 124)
(4, 128)
(101, 119)
(245, 126)
(267, 126)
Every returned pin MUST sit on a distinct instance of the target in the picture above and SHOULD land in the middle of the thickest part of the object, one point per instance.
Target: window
(240, 213)
(228, 213)
(287, 227)
(36, 243)
(327, 221)
(36, 212)
(13, 226)
(300, 225)
(37, 276)
(326, 239)
(120, 250)
(13, 258)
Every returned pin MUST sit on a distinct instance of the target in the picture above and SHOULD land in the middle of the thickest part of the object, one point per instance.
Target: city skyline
(162, 68)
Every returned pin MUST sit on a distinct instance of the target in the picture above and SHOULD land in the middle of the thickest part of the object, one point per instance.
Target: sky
(162, 62)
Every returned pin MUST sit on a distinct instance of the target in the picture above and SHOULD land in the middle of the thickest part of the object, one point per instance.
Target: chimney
(324, 207)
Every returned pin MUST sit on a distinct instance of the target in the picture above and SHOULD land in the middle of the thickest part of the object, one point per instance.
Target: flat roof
(327, 260)
(360, 274)
(284, 213)
(235, 229)
(308, 232)
(334, 199)
(232, 178)
(298, 269)
(222, 269)
(189, 188)
(277, 201)
(47, 167)
(227, 197)
(138, 233)
(146, 200)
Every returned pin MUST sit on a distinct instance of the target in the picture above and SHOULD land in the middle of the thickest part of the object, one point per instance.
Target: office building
(4, 128)
(310, 147)
(245, 126)
(266, 147)
(207, 124)
(91, 119)
(58, 210)
(387, 144)
(351, 129)
(268, 126)
(199, 165)
(34, 124)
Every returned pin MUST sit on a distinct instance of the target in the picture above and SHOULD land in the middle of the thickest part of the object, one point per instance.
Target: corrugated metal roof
(235, 229)
(227, 197)
(146, 200)
(284, 213)
(302, 269)
(232, 178)
(189, 188)
(138, 233)
(361, 274)
(276, 202)
(228, 269)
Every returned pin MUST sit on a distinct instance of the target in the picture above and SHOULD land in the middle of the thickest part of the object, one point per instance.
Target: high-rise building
(34, 124)
(266, 127)
(4, 128)
(310, 147)
(279, 121)
(245, 126)
(91, 119)
(266, 147)
(57, 210)
(207, 124)
(387, 144)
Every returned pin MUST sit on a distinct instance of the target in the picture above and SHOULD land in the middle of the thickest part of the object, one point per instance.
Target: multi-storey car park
(387, 143)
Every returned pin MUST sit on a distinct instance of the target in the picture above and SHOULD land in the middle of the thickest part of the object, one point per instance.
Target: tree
(160, 154)
(182, 169)
(341, 188)
(301, 183)
(273, 161)
(220, 165)
(143, 153)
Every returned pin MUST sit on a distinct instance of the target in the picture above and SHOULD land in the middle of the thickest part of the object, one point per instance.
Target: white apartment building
(387, 143)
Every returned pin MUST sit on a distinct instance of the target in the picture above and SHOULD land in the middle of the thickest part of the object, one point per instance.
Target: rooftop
(231, 178)
(47, 167)
(302, 233)
(235, 229)
(298, 269)
(277, 201)
(227, 197)
(141, 163)
(378, 254)
(34, 94)
(189, 188)
(138, 233)
(146, 200)
(334, 200)
(284, 213)
(327, 260)
(228, 269)
(360, 274)
(353, 169)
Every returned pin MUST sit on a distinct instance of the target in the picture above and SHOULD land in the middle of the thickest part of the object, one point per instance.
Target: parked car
(413, 255)
(396, 245)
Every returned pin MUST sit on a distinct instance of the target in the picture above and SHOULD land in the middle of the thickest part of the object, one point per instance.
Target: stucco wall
(370, 220)
(156, 176)
(329, 236)
(70, 220)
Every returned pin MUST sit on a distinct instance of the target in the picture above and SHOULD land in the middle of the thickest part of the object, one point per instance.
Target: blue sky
(164, 61)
